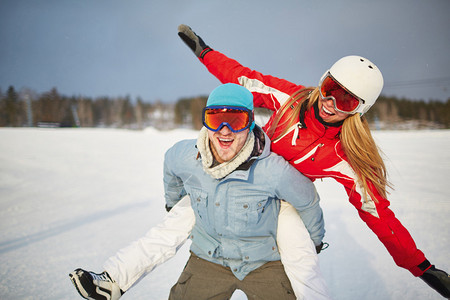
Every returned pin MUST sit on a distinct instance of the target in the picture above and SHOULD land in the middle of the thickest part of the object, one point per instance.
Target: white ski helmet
(359, 76)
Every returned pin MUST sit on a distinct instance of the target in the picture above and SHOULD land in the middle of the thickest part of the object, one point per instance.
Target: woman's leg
(159, 244)
(298, 255)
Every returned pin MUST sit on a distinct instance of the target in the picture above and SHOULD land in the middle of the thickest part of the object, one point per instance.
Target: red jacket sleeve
(388, 229)
(268, 91)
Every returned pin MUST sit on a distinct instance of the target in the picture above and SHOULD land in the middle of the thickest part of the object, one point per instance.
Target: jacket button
(246, 257)
(312, 159)
(209, 252)
(198, 199)
(245, 205)
(217, 204)
(235, 270)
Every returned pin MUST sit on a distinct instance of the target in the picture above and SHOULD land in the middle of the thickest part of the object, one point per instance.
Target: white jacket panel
(130, 264)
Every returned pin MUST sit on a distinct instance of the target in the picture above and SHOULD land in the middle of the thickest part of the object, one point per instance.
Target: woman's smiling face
(328, 113)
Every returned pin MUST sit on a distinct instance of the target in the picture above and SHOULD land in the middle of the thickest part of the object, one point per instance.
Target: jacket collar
(261, 148)
(260, 151)
(257, 146)
(317, 127)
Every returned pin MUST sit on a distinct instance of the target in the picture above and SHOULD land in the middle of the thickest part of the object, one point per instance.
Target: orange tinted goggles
(235, 118)
(344, 101)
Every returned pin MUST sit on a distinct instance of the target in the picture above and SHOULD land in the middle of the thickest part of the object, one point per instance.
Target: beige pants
(203, 280)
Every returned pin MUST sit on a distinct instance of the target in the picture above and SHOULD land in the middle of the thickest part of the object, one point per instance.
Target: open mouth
(327, 112)
(225, 142)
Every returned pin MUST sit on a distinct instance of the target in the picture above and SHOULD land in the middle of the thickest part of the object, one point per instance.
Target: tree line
(51, 109)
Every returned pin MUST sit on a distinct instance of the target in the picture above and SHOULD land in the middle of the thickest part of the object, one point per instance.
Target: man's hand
(193, 41)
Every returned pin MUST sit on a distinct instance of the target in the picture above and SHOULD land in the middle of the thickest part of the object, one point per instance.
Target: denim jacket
(236, 216)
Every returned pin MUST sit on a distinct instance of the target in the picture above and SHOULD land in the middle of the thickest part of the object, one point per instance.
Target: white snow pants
(160, 243)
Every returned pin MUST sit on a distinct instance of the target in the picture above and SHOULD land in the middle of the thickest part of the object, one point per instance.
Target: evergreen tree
(11, 108)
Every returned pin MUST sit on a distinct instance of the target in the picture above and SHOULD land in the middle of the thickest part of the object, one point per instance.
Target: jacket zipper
(311, 154)
(313, 158)
(294, 127)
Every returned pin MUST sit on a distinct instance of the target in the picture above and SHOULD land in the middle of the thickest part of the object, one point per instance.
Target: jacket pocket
(199, 200)
(248, 212)
(179, 290)
(288, 291)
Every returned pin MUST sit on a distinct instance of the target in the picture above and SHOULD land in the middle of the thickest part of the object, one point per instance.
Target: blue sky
(118, 48)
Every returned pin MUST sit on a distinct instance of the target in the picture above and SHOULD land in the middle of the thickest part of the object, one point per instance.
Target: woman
(322, 132)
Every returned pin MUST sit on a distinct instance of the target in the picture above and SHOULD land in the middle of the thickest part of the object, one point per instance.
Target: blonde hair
(357, 142)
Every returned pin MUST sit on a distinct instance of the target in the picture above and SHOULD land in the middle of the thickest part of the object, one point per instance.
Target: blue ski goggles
(234, 117)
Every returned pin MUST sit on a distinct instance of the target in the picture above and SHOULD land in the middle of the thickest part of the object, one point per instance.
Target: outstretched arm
(395, 237)
(268, 91)
(159, 244)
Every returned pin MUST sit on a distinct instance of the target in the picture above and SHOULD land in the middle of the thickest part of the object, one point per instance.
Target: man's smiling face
(225, 144)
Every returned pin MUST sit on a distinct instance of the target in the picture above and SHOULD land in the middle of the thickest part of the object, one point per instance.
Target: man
(235, 185)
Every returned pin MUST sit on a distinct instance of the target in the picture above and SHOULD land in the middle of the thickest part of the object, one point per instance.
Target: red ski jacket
(316, 151)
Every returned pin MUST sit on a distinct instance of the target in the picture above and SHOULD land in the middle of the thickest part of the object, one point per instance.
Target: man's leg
(202, 279)
(268, 282)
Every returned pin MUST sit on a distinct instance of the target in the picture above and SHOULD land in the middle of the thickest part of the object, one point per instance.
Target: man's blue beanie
(231, 94)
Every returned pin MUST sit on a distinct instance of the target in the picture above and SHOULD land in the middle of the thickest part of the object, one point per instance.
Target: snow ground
(72, 197)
